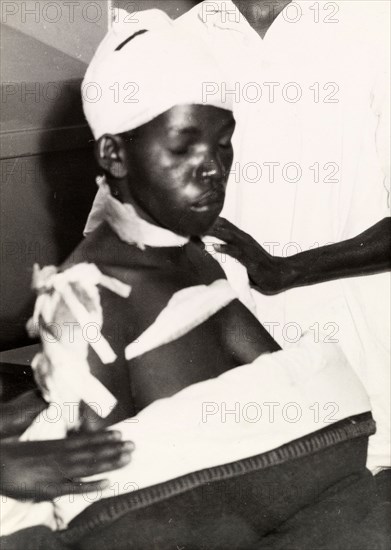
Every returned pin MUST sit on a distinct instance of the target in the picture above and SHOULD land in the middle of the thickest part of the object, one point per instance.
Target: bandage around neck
(126, 223)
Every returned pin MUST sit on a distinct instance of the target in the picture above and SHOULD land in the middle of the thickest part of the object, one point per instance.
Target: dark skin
(44, 470)
(261, 13)
(174, 171)
(17, 415)
(364, 254)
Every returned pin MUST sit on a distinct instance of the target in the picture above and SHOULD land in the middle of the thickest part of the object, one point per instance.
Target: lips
(208, 200)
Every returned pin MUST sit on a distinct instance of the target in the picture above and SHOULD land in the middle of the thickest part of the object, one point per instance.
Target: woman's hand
(268, 274)
(44, 470)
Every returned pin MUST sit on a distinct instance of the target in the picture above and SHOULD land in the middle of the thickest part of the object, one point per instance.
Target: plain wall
(75, 28)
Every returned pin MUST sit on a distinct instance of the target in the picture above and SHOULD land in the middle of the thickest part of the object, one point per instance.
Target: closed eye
(225, 144)
(225, 141)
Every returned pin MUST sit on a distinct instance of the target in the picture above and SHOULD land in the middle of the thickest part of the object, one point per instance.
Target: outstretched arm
(365, 254)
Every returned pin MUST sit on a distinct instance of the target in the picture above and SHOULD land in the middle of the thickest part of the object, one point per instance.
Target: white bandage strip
(186, 310)
(87, 276)
(55, 369)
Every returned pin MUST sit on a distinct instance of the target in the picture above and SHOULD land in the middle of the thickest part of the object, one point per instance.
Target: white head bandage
(143, 68)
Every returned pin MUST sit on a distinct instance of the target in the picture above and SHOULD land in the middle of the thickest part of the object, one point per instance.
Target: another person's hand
(268, 274)
(44, 470)
(365, 254)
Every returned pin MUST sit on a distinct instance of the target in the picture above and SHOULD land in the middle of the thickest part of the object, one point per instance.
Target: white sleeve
(381, 89)
(381, 106)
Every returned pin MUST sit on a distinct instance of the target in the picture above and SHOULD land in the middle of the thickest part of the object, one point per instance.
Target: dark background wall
(47, 169)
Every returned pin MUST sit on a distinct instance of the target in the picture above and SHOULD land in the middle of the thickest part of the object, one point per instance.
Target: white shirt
(311, 104)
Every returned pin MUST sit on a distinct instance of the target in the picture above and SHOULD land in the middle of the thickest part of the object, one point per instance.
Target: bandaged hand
(44, 470)
(268, 274)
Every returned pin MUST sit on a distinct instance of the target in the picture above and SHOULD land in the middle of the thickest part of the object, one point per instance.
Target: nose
(209, 171)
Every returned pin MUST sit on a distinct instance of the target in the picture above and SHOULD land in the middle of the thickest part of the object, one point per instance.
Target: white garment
(312, 97)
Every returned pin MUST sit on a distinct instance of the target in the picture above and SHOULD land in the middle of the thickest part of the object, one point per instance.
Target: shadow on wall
(69, 173)
(47, 171)
(45, 223)
(46, 210)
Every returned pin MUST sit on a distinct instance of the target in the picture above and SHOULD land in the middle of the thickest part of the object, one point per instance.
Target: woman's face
(178, 166)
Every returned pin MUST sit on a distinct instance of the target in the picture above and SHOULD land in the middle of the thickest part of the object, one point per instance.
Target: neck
(260, 14)
(120, 189)
(126, 222)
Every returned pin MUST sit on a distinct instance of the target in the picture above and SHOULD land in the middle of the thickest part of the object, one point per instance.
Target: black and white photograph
(195, 277)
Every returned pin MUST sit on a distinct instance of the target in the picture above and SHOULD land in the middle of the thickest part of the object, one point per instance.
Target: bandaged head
(143, 68)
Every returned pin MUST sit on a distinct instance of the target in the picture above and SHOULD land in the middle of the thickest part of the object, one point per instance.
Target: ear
(110, 154)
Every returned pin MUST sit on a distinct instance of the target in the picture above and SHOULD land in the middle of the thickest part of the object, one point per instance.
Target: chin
(197, 229)
(196, 224)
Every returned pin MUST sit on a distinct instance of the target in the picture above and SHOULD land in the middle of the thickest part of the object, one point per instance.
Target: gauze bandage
(144, 67)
